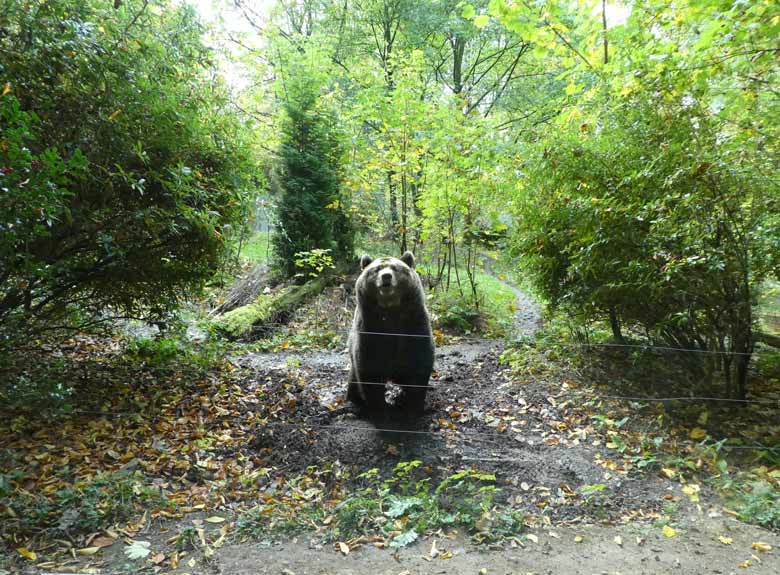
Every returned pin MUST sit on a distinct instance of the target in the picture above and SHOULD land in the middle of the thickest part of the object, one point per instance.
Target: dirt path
(585, 550)
(480, 416)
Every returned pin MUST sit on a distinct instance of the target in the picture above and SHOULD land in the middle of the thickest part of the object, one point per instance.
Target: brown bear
(391, 338)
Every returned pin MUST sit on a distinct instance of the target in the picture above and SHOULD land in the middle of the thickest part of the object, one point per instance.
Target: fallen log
(267, 312)
(767, 338)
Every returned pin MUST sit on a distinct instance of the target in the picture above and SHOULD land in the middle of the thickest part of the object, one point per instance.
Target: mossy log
(767, 338)
(267, 312)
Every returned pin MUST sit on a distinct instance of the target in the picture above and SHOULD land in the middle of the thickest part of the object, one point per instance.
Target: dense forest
(218, 169)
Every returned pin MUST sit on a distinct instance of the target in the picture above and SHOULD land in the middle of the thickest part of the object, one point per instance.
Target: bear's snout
(386, 278)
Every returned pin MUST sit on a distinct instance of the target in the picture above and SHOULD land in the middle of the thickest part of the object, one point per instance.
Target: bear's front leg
(415, 391)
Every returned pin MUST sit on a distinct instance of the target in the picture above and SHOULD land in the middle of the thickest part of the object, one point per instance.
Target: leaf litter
(212, 442)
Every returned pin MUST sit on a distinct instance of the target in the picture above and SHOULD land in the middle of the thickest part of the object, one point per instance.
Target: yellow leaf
(697, 433)
(619, 540)
(26, 553)
(578, 538)
(670, 473)
(760, 546)
(746, 564)
(215, 519)
(532, 537)
(113, 115)
(725, 540)
(88, 550)
(692, 491)
(669, 531)
(6, 88)
(344, 548)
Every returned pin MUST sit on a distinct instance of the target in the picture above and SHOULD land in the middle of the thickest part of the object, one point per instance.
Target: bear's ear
(408, 259)
(364, 261)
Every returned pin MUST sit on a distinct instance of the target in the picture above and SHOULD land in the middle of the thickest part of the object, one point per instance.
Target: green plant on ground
(175, 352)
(81, 508)
(400, 508)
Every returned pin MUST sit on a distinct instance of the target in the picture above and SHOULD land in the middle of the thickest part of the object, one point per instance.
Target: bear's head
(387, 281)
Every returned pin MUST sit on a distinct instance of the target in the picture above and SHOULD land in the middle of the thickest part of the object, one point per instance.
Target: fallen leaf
(114, 115)
(725, 540)
(669, 531)
(692, 491)
(215, 519)
(26, 553)
(344, 548)
(760, 546)
(433, 552)
(88, 550)
(157, 558)
(578, 538)
(745, 564)
(532, 537)
(103, 542)
(619, 540)
(697, 433)
(138, 549)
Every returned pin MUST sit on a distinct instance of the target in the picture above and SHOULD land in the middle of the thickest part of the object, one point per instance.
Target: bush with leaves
(123, 170)
(640, 215)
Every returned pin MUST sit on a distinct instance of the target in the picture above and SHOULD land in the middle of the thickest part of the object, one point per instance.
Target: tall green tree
(311, 208)
(124, 169)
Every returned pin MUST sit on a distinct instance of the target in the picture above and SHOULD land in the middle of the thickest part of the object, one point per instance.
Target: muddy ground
(524, 430)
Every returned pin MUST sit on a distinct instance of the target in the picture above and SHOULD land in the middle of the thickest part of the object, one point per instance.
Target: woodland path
(480, 415)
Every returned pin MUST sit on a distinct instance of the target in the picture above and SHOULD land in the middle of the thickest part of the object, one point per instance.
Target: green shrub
(122, 168)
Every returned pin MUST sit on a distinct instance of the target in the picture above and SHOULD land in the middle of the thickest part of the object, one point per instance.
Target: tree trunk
(614, 323)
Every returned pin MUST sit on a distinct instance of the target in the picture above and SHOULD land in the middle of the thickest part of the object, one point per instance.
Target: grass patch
(255, 249)
(400, 508)
(490, 313)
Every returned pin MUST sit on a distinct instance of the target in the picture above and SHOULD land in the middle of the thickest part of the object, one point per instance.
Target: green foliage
(402, 507)
(85, 507)
(310, 209)
(314, 262)
(491, 312)
(175, 352)
(760, 506)
(644, 210)
(123, 168)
